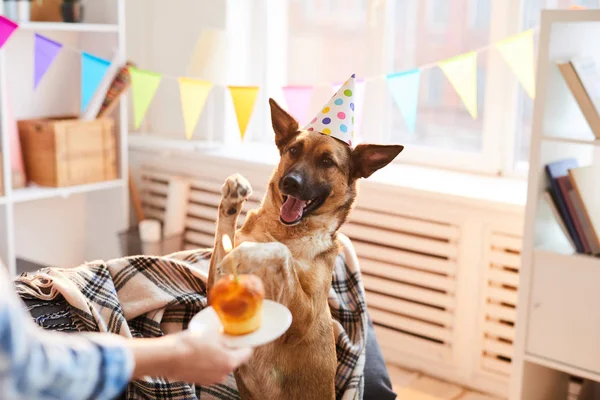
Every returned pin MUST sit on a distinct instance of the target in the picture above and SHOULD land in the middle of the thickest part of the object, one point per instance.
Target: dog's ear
(368, 158)
(284, 125)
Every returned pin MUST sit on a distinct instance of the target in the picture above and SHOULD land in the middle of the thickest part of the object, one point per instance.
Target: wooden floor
(414, 386)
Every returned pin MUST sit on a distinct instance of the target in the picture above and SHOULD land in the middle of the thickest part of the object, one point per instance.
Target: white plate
(276, 320)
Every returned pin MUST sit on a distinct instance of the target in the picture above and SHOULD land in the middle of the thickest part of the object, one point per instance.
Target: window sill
(498, 191)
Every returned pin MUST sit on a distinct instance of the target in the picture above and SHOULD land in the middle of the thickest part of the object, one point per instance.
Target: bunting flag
(461, 71)
(45, 51)
(7, 27)
(143, 85)
(298, 101)
(93, 70)
(193, 98)
(517, 51)
(244, 98)
(405, 91)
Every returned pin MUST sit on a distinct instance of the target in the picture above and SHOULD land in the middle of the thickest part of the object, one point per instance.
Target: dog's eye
(327, 162)
(293, 150)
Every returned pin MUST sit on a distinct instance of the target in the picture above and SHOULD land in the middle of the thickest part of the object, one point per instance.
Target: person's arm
(37, 364)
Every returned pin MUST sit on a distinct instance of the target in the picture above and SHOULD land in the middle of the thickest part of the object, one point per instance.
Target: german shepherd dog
(290, 242)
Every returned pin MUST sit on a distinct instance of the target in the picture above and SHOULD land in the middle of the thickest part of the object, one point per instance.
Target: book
(582, 76)
(554, 171)
(588, 229)
(552, 203)
(585, 182)
(118, 87)
(567, 190)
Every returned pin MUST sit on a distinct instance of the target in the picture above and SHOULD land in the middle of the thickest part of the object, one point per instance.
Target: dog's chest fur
(306, 361)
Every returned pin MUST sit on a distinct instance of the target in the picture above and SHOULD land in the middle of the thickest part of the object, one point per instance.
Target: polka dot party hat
(336, 118)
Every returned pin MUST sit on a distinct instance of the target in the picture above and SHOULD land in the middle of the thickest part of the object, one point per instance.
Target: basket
(66, 151)
(132, 245)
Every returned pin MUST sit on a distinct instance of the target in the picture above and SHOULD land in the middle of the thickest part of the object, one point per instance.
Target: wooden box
(66, 151)
(46, 11)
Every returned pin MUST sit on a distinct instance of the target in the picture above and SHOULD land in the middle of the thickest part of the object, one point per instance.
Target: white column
(376, 119)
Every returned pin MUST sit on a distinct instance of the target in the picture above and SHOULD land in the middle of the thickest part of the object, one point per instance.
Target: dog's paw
(235, 191)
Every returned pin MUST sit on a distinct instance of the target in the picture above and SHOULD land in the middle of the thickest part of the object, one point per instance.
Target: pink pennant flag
(16, 155)
(298, 101)
(7, 27)
(359, 105)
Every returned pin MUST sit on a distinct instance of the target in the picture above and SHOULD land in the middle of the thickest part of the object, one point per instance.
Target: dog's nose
(292, 182)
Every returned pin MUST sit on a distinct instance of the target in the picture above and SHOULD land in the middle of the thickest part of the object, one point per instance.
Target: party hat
(336, 118)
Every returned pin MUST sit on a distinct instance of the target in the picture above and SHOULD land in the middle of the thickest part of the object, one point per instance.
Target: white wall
(164, 39)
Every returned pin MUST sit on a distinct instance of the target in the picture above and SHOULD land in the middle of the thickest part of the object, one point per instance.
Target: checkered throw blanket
(152, 296)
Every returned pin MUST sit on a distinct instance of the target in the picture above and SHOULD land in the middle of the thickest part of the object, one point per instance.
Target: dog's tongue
(292, 209)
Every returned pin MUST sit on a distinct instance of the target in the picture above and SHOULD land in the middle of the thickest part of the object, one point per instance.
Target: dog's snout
(292, 182)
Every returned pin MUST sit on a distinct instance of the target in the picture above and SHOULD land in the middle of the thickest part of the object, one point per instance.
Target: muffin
(238, 302)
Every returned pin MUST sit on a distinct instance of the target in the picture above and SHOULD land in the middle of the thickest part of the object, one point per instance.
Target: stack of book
(574, 196)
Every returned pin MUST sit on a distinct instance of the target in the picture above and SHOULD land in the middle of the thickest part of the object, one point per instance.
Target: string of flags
(461, 72)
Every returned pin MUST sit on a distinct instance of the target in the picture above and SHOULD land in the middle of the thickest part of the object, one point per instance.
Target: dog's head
(316, 177)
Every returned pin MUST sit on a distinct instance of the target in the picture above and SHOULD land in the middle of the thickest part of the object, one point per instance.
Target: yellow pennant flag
(144, 85)
(517, 51)
(461, 71)
(244, 98)
(193, 98)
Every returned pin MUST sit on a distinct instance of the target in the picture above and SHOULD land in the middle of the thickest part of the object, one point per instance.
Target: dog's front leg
(234, 193)
(272, 262)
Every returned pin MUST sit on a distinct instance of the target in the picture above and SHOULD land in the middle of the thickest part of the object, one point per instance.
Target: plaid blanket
(152, 296)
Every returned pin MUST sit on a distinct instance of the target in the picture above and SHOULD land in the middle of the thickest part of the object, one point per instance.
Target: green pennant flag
(144, 85)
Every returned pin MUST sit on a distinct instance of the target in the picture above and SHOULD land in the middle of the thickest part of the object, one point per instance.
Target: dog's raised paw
(235, 191)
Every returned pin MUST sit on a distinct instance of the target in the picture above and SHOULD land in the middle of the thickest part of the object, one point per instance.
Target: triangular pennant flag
(405, 91)
(45, 51)
(93, 70)
(298, 100)
(143, 85)
(517, 51)
(193, 98)
(244, 98)
(7, 27)
(461, 71)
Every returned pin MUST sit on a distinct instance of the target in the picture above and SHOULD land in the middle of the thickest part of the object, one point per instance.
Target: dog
(290, 243)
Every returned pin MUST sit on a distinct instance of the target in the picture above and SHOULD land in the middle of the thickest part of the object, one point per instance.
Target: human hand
(199, 357)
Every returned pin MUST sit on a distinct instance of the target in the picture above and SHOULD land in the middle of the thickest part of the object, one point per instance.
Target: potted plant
(72, 10)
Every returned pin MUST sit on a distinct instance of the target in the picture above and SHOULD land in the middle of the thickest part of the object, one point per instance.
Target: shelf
(568, 369)
(595, 142)
(68, 27)
(37, 193)
(545, 253)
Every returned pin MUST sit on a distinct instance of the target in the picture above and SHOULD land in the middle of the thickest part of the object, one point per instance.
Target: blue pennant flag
(93, 70)
(405, 90)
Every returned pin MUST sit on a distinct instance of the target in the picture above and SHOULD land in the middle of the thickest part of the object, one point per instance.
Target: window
(443, 122)
(438, 13)
(479, 14)
(319, 43)
(395, 35)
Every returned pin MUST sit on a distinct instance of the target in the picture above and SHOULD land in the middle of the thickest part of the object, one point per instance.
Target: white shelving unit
(61, 226)
(63, 27)
(558, 325)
